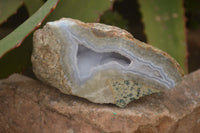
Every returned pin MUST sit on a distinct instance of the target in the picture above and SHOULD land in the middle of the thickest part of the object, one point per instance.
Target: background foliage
(165, 26)
(161, 24)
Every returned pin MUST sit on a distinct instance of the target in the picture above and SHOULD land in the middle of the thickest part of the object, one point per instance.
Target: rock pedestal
(27, 105)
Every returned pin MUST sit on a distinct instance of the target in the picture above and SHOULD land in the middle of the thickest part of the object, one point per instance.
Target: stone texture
(96, 61)
(27, 105)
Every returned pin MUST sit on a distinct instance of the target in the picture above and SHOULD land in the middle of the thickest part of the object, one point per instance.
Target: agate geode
(101, 63)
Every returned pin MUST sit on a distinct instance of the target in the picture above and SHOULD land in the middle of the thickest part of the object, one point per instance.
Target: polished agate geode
(101, 63)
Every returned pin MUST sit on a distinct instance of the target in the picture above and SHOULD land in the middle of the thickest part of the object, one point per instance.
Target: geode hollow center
(89, 61)
(101, 63)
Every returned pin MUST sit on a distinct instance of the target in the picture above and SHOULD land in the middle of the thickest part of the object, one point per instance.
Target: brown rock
(27, 105)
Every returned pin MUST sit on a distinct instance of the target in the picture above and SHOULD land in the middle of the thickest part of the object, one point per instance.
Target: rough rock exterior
(29, 106)
(101, 63)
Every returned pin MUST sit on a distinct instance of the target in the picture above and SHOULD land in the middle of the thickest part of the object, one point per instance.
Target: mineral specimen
(101, 63)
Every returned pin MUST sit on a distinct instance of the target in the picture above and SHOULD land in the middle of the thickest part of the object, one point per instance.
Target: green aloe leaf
(165, 26)
(15, 38)
(8, 8)
(85, 10)
(16, 60)
(114, 18)
(33, 5)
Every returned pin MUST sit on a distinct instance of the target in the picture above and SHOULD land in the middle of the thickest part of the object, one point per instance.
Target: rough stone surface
(96, 61)
(29, 106)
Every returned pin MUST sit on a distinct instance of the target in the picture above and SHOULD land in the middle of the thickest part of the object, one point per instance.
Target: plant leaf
(33, 5)
(164, 27)
(15, 38)
(16, 60)
(114, 18)
(7, 8)
(85, 10)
